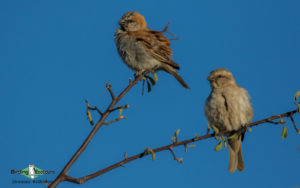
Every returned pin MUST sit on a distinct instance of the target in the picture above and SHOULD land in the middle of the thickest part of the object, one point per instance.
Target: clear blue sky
(55, 54)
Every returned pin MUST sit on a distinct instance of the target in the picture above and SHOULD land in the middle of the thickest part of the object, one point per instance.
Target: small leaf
(250, 129)
(185, 147)
(296, 96)
(234, 136)
(196, 135)
(86, 101)
(153, 154)
(192, 146)
(215, 129)
(144, 78)
(222, 138)
(284, 132)
(217, 138)
(180, 160)
(120, 110)
(177, 132)
(155, 77)
(298, 108)
(219, 146)
(173, 139)
(149, 86)
(88, 113)
(281, 121)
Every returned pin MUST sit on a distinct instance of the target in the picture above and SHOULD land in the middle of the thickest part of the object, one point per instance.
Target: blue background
(55, 54)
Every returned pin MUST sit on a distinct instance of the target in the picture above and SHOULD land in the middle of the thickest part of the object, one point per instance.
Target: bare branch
(207, 130)
(120, 107)
(174, 156)
(74, 180)
(170, 146)
(292, 119)
(115, 120)
(63, 174)
(94, 108)
(108, 87)
(166, 30)
(274, 122)
(287, 114)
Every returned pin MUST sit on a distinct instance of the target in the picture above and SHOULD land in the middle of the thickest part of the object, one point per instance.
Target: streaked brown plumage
(143, 49)
(228, 108)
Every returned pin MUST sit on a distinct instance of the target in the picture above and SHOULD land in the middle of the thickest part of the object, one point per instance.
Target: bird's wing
(157, 45)
(225, 102)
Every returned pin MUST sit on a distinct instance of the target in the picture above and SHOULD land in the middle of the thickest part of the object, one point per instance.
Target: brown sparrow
(143, 49)
(228, 108)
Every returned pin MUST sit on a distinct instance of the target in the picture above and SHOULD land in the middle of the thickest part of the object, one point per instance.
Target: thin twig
(292, 119)
(108, 86)
(115, 120)
(207, 130)
(172, 152)
(95, 108)
(119, 107)
(174, 156)
(165, 30)
(274, 122)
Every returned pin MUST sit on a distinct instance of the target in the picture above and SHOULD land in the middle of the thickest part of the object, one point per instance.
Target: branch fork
(63, 174)
(174, 156)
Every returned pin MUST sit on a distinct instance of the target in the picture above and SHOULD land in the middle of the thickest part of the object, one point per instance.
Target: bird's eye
(219, 76)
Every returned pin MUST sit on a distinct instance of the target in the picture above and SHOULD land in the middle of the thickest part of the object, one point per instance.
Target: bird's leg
(140, 72)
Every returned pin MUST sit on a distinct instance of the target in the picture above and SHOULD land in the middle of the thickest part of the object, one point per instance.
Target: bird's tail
(235, 155)
(172, 71)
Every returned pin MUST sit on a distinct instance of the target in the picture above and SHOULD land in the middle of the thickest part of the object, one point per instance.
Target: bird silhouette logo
(31, 171)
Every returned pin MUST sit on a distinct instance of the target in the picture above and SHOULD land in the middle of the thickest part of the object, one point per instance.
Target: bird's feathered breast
(229, 108)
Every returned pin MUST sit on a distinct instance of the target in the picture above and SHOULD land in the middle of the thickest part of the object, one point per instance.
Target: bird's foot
(139, 73)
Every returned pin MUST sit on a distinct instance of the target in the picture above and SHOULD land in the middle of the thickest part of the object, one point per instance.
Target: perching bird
(228, 108)
(143, 49)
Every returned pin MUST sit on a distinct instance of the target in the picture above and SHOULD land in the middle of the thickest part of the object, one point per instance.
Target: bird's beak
(121, 22)
(211, 79)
